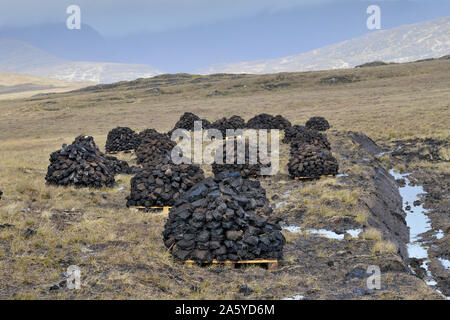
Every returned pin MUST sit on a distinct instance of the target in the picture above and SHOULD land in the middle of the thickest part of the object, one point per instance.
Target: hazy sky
(120, 17)
(186, 35)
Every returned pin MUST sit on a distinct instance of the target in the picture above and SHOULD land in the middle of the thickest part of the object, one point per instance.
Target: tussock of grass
(346, 196)
(400, 168)
(372, 234)
(361, 216)
(325, 200)
(120, 250)
(383, 246)
(445, 154)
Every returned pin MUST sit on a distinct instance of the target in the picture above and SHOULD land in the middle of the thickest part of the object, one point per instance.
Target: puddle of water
(354, 232)
(439, 234)
(418, 223)
(297, 297)
(324, 233)
(387, 152)
(445, 263)
(429, 277)
(431, 282)
(279, 204)
(327, 234)
(416, 219)
(293, 229)
(87, 252)
(287, 194)
(415, 250)
(383, 153)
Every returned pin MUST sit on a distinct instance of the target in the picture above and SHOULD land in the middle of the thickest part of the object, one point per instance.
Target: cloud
(119, 17)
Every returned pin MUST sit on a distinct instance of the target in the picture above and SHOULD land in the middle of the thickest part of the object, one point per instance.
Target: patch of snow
(429, 39)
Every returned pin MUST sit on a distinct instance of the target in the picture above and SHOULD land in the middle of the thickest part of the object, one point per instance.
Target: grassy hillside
(16, 85)
(120, 250)
(385, 102)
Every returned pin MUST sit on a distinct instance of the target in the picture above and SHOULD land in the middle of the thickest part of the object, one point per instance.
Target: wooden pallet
(272, 265)
(309, 178)
(257, 176)
(121, 152)
(153, 209)
(226, 138)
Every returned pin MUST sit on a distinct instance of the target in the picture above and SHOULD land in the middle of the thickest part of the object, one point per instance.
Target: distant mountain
(100, 72)
(16, 85)
(85, 44)
(20, 57)
(423, 40)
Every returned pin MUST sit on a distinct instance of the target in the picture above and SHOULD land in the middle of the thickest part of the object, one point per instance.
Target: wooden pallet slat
(272, 265)
(162, 209)
(120, 152)
(227, 138)
(310, 178)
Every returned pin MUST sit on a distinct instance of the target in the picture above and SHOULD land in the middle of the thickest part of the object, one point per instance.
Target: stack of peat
(318, 123)
(187, 121)
(234, 123)
(120, 167)
(154, 148)
(149, 134)
(163, 185)
(87, 141)
(311, 161)
(297, 135)
(290, 133)
(115, 165)
(267, 121)
(121, 139)
(310, 154)
(79, 164)
(251, 166)
(223, 218)
(280, 122)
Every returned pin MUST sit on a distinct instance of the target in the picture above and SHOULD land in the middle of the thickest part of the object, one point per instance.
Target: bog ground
(44, 229)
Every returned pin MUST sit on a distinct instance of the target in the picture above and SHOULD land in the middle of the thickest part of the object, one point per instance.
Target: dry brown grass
(390, 102)
(384, 246)
(20, 86)
(372, 234)
(120, 250)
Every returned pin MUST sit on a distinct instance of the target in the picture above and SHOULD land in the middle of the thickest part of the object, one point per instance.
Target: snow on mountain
(21, 57)
(430, 39)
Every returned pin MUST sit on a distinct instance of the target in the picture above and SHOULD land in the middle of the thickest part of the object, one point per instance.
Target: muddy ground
(44, 229)
(341, 265)
(427, 162)
(119, 264)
